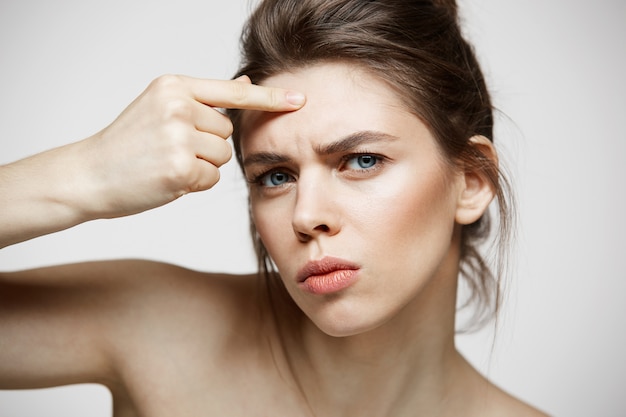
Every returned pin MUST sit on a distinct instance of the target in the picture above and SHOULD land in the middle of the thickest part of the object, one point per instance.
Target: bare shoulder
(127, 279)
(164, 306)
(170, 291)
(483, 398)
(181, 333)
(170, 297)
(118, 314)
(504, 404)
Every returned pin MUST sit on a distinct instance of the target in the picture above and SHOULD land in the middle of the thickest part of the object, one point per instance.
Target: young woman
(366, 140)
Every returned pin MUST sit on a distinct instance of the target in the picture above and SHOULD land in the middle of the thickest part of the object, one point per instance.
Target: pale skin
(365, 183)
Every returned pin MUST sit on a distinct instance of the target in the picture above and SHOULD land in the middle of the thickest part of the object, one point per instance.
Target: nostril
(322, 228)
(307, 233)
(303, 237)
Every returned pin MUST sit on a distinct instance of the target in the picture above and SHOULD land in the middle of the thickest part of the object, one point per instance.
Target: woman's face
(351, 197)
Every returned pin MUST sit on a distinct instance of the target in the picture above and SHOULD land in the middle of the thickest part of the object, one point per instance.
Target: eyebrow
(353, 141)
(345, 144)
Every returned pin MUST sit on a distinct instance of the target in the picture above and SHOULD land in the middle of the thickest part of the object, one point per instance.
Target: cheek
(273, 224)
(413, 216)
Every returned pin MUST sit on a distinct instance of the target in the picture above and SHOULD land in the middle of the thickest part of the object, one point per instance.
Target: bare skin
(170, 341)
(169, 142)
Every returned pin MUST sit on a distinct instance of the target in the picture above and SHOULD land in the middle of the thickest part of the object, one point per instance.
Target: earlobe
(479, 180)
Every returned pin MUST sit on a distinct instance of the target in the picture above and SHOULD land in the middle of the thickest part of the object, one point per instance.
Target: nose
(315, 212)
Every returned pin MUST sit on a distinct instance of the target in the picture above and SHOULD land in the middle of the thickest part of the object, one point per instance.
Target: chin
(344, 325)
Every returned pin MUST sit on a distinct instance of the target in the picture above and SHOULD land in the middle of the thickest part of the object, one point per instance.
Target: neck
(406, 365)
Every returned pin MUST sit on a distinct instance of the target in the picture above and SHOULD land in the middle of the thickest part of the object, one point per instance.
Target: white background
(556, 69)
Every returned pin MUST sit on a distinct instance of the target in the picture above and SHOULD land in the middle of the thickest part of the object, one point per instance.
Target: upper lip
(324, 266)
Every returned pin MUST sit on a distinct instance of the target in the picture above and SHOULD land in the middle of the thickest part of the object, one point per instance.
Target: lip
(327, 275)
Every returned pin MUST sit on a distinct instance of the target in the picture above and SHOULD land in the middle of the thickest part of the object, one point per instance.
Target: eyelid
(256, 179)
(380, 159)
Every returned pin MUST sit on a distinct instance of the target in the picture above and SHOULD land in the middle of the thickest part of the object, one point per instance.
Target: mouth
(328, 275)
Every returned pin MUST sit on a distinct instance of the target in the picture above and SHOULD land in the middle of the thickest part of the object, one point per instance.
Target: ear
(476, 189)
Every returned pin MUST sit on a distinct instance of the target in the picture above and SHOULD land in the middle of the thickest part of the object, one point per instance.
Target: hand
(169, 142)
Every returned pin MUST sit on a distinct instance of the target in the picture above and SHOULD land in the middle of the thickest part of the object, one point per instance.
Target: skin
(394, 219)
(167, 143)
(170, 341)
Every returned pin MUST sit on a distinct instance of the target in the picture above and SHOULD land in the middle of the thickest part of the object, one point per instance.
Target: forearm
(170, 141)
(42, 194)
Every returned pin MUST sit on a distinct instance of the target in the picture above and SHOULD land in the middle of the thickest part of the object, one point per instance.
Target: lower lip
(330, 283)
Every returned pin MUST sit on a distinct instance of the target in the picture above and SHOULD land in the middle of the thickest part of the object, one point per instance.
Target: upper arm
(97, 321)
(58, 324)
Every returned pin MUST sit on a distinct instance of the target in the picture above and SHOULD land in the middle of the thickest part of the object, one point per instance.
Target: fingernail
(243, 78)
(295, 98)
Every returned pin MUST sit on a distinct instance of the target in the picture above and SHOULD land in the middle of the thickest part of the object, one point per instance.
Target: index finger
(241, 94)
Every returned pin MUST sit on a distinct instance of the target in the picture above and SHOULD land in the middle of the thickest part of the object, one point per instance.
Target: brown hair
(415, 46)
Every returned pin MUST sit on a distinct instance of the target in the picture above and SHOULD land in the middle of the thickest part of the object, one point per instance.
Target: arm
(89, 322)
(55, 324)
(64, 324)
(167, 143)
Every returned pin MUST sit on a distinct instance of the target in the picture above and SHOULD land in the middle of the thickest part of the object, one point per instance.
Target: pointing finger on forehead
(241, 94)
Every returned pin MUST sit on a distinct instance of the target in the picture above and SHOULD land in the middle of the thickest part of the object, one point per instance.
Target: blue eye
(274, 179)
(364, 161)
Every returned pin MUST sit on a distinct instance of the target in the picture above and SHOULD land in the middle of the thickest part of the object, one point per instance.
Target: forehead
(341, 99)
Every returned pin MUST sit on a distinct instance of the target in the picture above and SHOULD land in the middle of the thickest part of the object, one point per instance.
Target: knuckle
(171, 99)
(218, 153)
(218, 124)
(274, 98)
(177, 139)
(211, 178)
(210, 181)
(177, 109)
(180, 167)
(205, 179)
(228, 128)
(226, 153)
(239, 93)
(167, 82)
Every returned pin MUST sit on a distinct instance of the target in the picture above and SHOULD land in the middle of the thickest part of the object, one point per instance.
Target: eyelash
(379, 161)
(258, 179)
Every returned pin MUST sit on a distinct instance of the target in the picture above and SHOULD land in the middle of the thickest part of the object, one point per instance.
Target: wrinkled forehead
(340, 99)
